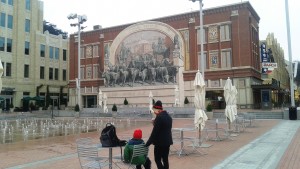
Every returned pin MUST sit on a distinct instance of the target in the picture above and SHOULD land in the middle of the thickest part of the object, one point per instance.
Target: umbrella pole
(229, 123)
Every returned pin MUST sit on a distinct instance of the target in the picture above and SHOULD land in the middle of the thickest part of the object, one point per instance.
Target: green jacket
(128, 151)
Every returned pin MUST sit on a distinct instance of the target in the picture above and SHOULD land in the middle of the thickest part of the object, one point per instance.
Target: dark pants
(161, 156)
(147, 164)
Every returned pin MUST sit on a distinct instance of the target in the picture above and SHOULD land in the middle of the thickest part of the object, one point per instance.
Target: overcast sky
(109, 13)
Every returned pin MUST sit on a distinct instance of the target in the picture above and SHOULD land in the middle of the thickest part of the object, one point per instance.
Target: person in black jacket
(161, 136)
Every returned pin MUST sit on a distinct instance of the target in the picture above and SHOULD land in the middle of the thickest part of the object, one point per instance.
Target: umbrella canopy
(199, 101)
(233, 96)
(229, 113)
(1, 73)
(100, 98)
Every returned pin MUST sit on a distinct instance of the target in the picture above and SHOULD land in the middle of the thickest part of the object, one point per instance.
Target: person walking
(128, 151)
(161, 136)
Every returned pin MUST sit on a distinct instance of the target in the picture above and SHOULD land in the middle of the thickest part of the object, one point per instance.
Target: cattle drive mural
(143, 58)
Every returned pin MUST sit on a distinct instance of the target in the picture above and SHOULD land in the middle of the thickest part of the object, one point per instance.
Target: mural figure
(143, 60)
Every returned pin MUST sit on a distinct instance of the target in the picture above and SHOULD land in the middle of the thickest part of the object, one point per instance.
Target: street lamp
(290, 52)
(81, 20)
(201, 38)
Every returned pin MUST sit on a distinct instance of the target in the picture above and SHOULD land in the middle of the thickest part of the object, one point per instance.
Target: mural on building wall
(143, 58)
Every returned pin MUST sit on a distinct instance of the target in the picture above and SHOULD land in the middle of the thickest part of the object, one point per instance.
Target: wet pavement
(263, 145)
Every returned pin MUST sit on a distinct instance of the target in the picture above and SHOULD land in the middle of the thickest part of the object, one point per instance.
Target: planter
(210, 115)
(114, 114)
(76, 114)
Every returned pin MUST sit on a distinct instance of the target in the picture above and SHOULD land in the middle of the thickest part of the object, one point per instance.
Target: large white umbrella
(151, 105)
(233, 97)
(1, 73)
(229, 113)
(100, 98)
(199, 101)
(105, 109)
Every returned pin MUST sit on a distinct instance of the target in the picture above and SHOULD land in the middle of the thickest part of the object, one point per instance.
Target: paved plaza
(268, 144)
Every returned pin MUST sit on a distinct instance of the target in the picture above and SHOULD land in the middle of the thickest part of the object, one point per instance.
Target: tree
(125, 101)
(186, 100)
(209, 107)
(114, 108)
(77, 108)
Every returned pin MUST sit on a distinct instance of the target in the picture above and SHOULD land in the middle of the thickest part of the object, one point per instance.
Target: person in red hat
(128, 151)
(161, 136)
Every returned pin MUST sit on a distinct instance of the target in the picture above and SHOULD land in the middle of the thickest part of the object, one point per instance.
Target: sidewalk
(258, 147)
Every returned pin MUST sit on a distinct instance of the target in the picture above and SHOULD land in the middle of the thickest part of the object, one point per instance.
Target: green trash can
(293, 113)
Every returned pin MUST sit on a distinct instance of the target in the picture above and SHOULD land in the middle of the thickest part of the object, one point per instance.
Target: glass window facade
(51, 52)
(27, 25)
(2, 19)
(8, 69)
(57, 53)
(10, 21)
(2, 43)
(50, 73)
(26, 71)
(42, 72)
(27, 48)
(42, 50)
(28, 4)
(8, 45)
(64, 55)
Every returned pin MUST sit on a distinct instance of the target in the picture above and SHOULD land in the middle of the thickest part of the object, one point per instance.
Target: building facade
(276, 81)
(161, 57)
(35, 62)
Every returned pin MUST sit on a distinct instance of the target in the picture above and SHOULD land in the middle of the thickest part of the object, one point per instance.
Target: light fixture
(81, 20)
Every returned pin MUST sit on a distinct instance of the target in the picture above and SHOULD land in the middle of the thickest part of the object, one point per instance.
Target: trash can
(293, 113)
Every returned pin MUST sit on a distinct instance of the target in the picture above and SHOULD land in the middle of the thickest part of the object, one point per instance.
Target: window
(213, 61)
(204, 36)
(42, 50)
(3, 1)
(8, 45)
(26, 71)
(42, 72)
(50, 73)
(64, 55)
(27, 47)
(10, 21)
(82, 73)
(55, 74)
(28, 5)
(2, 19)
(8, 69)
(27, 25)
(225, 32)
(2, 43)
(10, 2)
(95, 71)
(225, 59)
(57, 53)
(50, 52)
(95, 50)
(64, 75)
(89, 72)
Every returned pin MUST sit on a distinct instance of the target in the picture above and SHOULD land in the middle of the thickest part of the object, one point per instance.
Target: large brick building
(161, 56)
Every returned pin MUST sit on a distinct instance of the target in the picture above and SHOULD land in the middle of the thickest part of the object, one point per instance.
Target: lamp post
(201, 38)
(290, 53)
(81, 20)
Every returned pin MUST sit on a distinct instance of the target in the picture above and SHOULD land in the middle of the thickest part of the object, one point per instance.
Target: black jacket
(161, 134)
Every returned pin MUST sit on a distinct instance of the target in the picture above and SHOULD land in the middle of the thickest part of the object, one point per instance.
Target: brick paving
(60, 152)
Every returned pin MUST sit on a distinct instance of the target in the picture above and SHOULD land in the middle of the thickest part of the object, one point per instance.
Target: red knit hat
(158, 105)
(137, 134)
